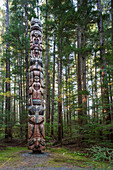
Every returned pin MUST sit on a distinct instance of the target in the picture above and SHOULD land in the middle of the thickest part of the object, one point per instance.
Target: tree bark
(84, 95)
(112, 21)
(47, 97)
(70, 129)
(96, 103)
(60, 123)
(53, 89)
(112, 53)
(79, 78)
(67, 112)
(7, 104)
(27, 67)
(106, 110)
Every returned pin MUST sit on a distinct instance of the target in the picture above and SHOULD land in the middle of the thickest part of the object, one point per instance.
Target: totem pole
(36, 134)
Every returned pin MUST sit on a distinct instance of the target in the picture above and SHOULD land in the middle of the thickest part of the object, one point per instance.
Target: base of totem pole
(37, 152)
(32, 154)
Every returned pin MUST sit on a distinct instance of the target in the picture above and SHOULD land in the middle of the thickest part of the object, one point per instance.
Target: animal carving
(36, 132)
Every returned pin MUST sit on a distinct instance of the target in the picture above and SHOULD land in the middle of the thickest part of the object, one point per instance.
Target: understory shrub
(101, 153)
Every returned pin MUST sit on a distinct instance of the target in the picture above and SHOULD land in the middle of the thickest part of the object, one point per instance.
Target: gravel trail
(31, 161)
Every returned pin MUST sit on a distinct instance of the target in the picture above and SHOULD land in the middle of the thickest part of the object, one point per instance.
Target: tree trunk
(14, 108)
(69, 98)
(47, 97)
(53, 89)
(2, 119)
(7, 104)
(84, 95)
(22, 117)
(79, 78)
(106, 110)
(60, 123)
(112, 53)
(96, 103)
(27, 68)
(112, 22)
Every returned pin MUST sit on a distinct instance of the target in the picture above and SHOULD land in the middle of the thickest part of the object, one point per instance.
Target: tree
(47, 96)
(7, 105)
(106, 110)
(53, 89)
(27, 64)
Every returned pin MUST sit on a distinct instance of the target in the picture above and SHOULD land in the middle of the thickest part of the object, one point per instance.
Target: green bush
(101, 153)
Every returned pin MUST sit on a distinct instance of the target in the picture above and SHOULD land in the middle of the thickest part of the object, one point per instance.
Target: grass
(65, 157)
(10, 154)
(59, 157)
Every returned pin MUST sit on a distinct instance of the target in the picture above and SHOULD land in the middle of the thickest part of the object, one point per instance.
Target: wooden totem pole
(36, 134)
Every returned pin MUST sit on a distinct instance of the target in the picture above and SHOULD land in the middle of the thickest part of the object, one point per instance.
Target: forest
(77, 54)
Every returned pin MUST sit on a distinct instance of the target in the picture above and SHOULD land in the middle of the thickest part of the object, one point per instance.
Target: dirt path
(45, 161)
(53, 158)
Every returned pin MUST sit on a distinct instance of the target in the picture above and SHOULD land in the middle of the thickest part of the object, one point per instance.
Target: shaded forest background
(77, 64)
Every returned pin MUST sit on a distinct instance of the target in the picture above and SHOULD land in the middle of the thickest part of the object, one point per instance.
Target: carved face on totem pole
(36, 134)
(36, 40)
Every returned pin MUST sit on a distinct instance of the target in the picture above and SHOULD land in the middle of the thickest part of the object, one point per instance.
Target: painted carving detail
(36, 134)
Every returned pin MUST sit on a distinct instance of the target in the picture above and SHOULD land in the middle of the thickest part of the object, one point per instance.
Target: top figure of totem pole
(36, 134)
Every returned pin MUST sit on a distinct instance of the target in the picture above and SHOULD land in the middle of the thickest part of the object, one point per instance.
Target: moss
(64, 157)
(58, 150)
(70, 161)
(59, 157)
(40, 165)
(10, 154)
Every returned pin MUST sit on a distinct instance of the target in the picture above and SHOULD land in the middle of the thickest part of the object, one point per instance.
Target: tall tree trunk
(2, 119)
(96, 103)
(106, 110)
(88, 113)
(22, 118)
(47, 97)
(70, 128)
(67, 116)
(112, 22)
(92, 87)
(110, 96)
(27, 67)
(84, 95)
(3, 72)
(7, 105)
(53, 89)
(79, 78)
(112, 53)
(14, 108)
(60, 123)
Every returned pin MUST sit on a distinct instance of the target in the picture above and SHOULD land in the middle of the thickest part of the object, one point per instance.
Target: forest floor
(17, 157)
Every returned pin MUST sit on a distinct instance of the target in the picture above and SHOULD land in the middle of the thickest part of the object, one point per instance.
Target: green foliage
(101, 153)
(80, 154)
(47, 138)
(62, 156)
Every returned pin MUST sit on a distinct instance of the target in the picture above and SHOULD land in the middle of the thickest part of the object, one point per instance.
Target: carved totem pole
(36, 134)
